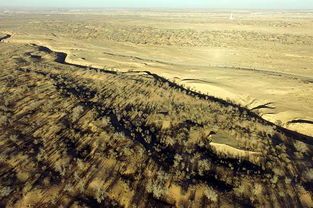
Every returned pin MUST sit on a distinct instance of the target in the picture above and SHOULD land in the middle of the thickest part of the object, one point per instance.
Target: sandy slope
(285, 92)
(76, 136)
(252, 69)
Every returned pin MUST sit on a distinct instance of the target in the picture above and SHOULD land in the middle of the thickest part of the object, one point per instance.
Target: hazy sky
(256, 4)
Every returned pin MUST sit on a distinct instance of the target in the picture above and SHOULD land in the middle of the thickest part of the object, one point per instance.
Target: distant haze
(243, 4)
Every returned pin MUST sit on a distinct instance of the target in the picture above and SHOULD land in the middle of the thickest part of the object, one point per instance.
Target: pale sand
(252, 73)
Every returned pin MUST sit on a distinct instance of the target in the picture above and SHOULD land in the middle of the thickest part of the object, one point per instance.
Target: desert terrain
(156, 108)
(260, 59)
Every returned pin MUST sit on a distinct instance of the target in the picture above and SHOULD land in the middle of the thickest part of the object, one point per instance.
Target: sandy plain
(260, 59)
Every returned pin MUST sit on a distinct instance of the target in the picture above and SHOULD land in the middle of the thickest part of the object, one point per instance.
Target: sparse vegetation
(103, 135)
(211, 194)
(80, 136)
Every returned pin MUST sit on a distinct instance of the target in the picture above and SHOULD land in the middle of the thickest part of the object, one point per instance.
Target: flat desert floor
(259, 59)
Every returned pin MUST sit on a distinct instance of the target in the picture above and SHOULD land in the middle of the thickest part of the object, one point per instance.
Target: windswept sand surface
(262, 59)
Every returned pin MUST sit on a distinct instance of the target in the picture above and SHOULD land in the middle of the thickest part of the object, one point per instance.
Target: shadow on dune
(5, 37)
(61, 58)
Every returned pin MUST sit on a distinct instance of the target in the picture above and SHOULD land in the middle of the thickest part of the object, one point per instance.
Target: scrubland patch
(80, 136)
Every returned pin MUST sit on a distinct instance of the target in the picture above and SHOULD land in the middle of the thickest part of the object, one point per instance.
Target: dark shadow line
(61, 57)
(5, 37)
(300, 121)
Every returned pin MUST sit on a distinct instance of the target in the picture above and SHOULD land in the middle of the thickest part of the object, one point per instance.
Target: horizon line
(148, 8)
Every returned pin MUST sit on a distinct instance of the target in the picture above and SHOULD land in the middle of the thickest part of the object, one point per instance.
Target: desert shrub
(155, 188)
(77, 111)
(308, 175)
(80, 164)
(69, 187)
(274, 179)
(301, 147)
(5, 191)
(103, 122)
(203, 166)
(3, 120)
(241, 189)
(60, 167)
(100, 196)
(81, 186)
(178, 158)
(211, 194)
(156, 185)
(257, 189)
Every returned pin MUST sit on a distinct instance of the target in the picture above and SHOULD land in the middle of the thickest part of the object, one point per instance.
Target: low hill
(76, 136)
